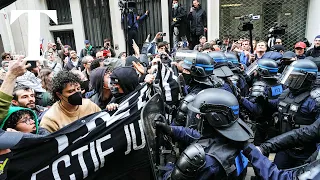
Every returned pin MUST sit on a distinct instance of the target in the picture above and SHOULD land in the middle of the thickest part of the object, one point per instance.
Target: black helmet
(266, 68)
(199, 65)
(232, 59)
(299, 72)
(220, 109)
(219, 58)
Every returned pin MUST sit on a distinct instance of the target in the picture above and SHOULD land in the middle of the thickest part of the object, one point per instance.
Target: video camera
(246, 22)
(277, 30)
(129, 5)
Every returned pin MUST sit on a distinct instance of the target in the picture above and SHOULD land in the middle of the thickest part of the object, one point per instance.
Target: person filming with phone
(108, 47)
(198, 18)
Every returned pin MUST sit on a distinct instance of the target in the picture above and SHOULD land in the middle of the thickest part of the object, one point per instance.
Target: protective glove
(161, 124)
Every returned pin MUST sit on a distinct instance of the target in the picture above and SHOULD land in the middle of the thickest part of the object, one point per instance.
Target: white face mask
(175, 6)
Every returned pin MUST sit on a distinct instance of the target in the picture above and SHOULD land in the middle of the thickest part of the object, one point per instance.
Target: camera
(163, 34)
(246, 22)
(127, 4)
(277, 30)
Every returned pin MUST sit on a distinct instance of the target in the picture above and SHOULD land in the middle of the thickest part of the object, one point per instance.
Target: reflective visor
(253, 67)
(292, 78)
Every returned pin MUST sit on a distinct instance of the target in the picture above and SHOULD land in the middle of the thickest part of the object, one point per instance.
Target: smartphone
(33, 64)
(163, 34)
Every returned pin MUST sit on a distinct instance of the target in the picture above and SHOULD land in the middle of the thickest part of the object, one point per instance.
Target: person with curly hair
(69, 105)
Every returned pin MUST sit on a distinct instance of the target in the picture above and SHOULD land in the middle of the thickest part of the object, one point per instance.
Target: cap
(9, 139)
(277, 48)
(300, 45)
(86, 42)
(317, 37)
(288, 55)
(238, 131)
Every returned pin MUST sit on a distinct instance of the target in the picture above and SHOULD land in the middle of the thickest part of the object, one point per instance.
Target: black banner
(5, 3)
(98, 146)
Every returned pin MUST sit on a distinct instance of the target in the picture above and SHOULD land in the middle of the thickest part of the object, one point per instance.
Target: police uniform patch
(276, 90)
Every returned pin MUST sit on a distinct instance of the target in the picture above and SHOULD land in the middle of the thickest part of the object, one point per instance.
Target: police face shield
(252, 68)
(292, 78)
(187, 57)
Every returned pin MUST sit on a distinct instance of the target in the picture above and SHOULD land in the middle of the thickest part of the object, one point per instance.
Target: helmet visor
(292, 78)
(253, 67)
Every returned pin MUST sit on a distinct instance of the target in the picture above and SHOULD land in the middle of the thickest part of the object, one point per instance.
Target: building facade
(96, 20)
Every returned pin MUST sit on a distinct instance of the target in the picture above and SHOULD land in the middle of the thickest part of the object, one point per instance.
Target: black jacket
(198, 20)
(181, 15)
(69, 66)
(314, 52)
(294, 138)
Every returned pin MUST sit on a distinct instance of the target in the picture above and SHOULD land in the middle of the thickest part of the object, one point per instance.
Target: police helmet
(219, 58)
(266, 68)
(199, 64)
(299, 72)
(220, 109)
(232, 59)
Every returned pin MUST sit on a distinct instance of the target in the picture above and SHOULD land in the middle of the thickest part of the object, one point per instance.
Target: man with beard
(315, 51)
(74, 62)
(69, 105)
(24, 96)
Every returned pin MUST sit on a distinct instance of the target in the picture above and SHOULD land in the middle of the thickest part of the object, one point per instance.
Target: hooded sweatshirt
(97, 83)
(14, 109)
(128, 80)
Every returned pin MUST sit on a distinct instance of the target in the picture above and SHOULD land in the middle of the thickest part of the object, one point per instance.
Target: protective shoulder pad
(190, 162)
(189, 97)
(258, 89)
(315, 94)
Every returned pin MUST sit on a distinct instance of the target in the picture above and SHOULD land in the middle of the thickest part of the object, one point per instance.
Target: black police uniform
(215, 151)
(265, 85)
(297, 106)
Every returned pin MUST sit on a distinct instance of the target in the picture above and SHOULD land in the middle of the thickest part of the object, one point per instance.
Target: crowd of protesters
(66, 87)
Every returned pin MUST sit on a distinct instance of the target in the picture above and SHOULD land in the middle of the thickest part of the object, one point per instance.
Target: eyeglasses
(26, 121)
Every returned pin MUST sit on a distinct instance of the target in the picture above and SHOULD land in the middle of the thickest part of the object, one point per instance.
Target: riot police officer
(298, 105)
(222, 71)
(265, 85)
(197, 69)
(239, 77)
(214, 151)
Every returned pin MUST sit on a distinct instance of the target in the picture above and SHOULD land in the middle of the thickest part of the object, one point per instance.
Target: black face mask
(75, 99)
(115, 92)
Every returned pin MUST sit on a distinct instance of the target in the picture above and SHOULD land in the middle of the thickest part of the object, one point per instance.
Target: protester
(202, 40)
(86, 62)
(58, 55)
(54, 65)
(100, 83)
(315, 51)
(24, 96)
(107, 46)
(74, 62)
(299, 49)
(88, 50)
(69, 105)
